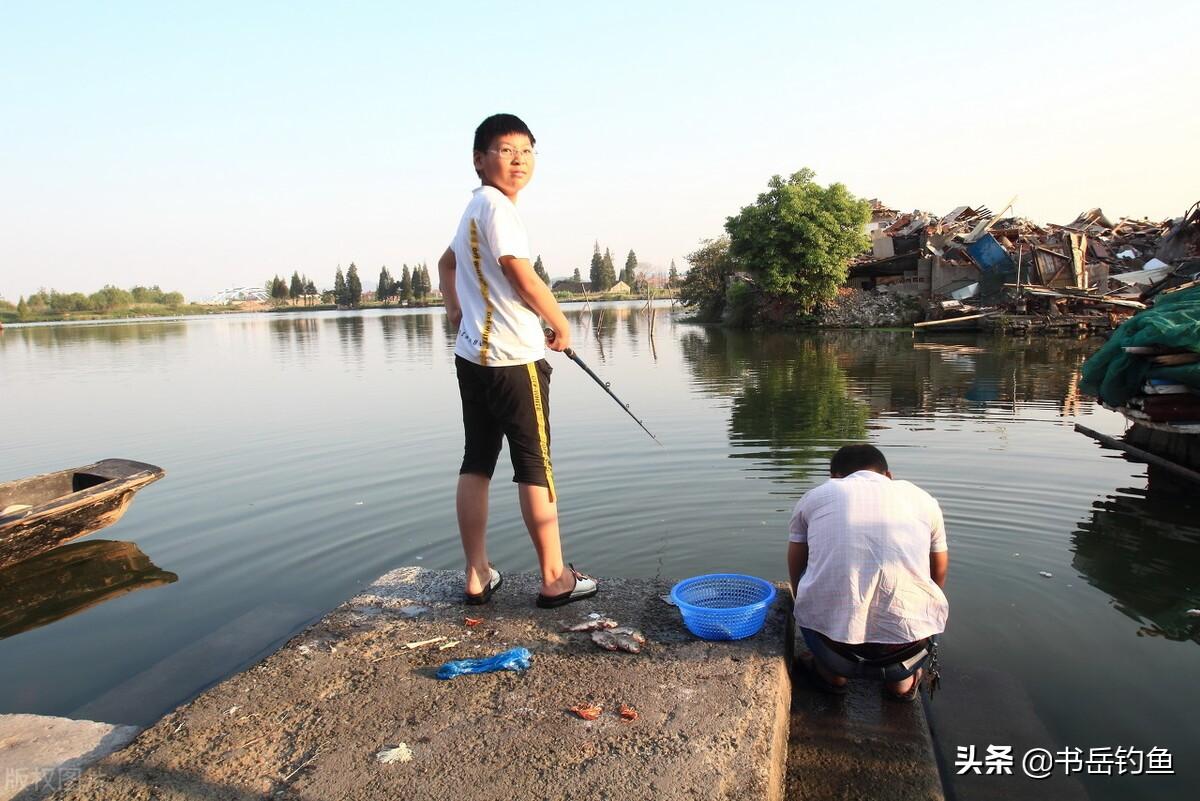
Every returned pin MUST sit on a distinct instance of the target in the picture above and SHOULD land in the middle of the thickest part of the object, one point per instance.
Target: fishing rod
(573, 356)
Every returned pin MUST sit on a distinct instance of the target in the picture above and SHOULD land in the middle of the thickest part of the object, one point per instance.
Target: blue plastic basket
(723, 606)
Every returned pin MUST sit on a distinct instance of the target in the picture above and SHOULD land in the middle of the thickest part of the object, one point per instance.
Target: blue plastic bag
(513, 659)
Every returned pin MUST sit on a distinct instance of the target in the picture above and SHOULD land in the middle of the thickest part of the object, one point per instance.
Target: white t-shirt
(869, 539)
(497, 329)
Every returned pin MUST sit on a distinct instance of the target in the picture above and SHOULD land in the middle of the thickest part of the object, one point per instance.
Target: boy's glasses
(510, 153)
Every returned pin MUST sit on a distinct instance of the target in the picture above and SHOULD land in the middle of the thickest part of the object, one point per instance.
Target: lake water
(308, 454)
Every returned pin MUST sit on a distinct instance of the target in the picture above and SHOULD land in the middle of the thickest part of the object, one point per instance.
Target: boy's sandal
(910, 695)
(483, 597)
(585, 587)
(818, 682)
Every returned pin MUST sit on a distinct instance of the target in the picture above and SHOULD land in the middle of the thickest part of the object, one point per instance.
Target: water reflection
(70, 579)
(60, 336)
(419, 330)
(788, 395)
(295, 335)
(350, 330)
(964, 374)
(1142, 548)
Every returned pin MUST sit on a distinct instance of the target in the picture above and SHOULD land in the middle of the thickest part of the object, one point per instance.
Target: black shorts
(507, 402)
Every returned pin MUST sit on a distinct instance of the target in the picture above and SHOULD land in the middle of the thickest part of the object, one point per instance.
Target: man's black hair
(852, 458)
(499, 125)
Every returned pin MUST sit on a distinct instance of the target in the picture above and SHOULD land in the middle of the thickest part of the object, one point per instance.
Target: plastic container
(723, 606)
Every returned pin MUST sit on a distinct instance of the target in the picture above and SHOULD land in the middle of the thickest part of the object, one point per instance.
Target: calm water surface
(308, 454)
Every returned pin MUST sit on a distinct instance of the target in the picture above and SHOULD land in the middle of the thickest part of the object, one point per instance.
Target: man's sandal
(909, 695)
(809, 667)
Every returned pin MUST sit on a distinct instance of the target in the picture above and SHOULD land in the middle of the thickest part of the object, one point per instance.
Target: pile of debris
(855, 308)
(1091, 272)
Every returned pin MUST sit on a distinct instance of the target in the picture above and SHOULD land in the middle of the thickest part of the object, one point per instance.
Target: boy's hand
(558, 340)
(455, 315)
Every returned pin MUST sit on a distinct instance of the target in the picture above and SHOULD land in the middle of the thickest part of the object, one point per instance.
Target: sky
(207, 145)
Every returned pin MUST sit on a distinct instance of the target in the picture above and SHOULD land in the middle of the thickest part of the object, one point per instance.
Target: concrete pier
(309, 721)
(351, 709)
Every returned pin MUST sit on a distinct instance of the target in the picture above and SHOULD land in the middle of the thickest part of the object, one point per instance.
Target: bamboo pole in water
(1145, 456)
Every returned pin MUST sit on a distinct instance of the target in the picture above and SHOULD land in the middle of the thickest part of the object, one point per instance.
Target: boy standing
(494, 298)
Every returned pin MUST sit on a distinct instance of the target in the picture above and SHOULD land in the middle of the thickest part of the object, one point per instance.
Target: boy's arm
(797, 562)
(538, 297)
(939, 566)
(446, 275)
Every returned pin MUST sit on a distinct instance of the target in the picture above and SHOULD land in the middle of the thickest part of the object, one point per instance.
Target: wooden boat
(39, 513)
(70, 579)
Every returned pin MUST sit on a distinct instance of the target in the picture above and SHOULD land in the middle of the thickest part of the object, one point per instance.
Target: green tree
(576, 277)
(172, 298)
(540, 269)
(418, 283)
(406, 293)
(341, 295)
(595, 275)
(426, 281)
(798, 237)
(703, 288)
(23, 312)
(383, 290)
(353, 285)
(608, 272)
(109, 298)
(279, 289)
(296, 287)
(629, 274)
(673, 276)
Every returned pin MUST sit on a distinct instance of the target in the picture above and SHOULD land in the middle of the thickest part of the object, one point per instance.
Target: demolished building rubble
(1010, 273)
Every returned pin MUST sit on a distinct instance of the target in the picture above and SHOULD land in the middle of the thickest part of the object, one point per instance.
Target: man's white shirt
(869, 539)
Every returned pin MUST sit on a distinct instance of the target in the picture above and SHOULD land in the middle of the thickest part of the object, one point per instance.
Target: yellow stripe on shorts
(540, 413)
(483, 290)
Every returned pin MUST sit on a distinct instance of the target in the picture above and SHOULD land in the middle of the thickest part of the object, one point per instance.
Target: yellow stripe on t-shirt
(483, 290)
(540, 414)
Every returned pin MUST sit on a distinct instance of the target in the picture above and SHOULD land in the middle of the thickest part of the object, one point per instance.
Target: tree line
(603, 275)
(108, 299)
(414, 285)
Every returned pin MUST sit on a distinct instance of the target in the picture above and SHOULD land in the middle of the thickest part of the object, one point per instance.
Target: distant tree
(383, 290)
(540, 269)
(608, 272)
(798, 237)
(279, 289)
(629, 274)
(296, 287)
(576, 277)
(595, 275)
(109, 298)
(406, 293)
(23, 309)
(172, 298)
(341, 295)
(703, 288)
(310, 290)
(353, 285)
(673, 276)
(422, 284)
(328, 296)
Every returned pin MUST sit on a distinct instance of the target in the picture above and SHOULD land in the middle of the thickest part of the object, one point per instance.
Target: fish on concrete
(593, 625)
(621, 638)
